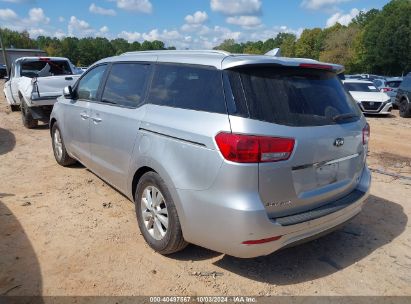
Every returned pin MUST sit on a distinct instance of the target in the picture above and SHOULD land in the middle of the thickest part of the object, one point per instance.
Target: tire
(169, 238)
(59, 149)
(28, 121)
(15, 108)
(405, 109)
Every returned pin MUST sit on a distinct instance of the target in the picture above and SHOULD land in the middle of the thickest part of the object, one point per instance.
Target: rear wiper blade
(344, 116)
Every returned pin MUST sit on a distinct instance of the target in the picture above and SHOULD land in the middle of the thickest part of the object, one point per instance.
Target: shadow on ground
(377, 225)
(7, 141)
(19, 268)
(380, 115)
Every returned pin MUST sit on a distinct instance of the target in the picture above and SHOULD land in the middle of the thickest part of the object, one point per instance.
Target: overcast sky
(182, 23)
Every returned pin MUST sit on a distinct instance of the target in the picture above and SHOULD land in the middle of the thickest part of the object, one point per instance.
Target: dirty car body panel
(245, 180)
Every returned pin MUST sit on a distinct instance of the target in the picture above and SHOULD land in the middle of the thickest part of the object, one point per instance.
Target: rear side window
(290, 96)
(188, 87)
(126, 84)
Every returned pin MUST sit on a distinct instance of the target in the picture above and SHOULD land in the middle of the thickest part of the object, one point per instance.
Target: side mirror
(68, 92)
(6, 78)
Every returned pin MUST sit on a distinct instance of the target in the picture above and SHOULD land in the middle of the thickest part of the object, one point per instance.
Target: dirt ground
(63, 231)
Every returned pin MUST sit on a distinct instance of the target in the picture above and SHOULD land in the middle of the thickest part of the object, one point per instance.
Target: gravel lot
(63, 231)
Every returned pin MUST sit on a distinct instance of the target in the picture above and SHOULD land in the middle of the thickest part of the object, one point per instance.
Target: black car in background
(403, 99)
(3, 71)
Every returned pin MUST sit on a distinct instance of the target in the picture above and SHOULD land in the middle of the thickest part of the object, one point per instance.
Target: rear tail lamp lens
(254, 149)
(316, 66)
(366, 134)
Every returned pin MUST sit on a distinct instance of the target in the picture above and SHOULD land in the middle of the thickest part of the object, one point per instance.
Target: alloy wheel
(58, 144)
(154, 212)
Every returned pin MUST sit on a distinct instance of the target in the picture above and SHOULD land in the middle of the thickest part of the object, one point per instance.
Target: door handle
(84, 116)
(96, 119)
(68, 78)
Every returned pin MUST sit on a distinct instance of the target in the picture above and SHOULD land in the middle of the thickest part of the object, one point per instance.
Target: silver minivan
(241, 154)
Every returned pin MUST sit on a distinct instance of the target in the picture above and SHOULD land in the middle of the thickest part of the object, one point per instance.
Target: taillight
(386, 90)
(316, 66)
(366, 134)
(254, 149)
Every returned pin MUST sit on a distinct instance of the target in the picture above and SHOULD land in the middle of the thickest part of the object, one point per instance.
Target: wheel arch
(148, 164)
(137, 176)
(52, 122)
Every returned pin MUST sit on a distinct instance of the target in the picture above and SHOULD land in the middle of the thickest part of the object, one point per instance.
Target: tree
(308, 45)
(288, 46)
(364, 18)
(69, 48)
(14, 39)
(158, 45)
(83, 51)
(121, 46)
(103, 48)
(135, 46)
(146, 46)
(387, 39)
(229, 45)
(253, 47)
(339, 47)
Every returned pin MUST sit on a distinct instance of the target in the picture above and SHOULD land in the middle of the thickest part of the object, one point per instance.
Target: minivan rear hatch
(310, 106)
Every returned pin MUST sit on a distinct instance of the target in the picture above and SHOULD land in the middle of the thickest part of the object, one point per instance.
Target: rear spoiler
(272, 58)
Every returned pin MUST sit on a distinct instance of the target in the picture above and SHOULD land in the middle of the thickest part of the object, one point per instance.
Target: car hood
(369, 96)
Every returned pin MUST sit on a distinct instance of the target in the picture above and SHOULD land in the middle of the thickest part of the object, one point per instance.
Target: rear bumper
(224, 226)
(41, 113)
(43, 101)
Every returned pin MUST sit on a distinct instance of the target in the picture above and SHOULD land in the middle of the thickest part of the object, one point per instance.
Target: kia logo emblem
(339, 142)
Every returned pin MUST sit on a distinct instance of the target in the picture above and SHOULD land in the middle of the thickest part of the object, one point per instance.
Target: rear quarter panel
(181, 142)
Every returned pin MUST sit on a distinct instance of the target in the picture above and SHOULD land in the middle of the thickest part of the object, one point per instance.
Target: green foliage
(377, 41)
(310, 43)
(339, 46)
(387, 39)
(285, 41)
(81, 52)
(17, 40)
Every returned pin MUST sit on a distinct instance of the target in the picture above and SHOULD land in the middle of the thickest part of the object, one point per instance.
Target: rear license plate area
(327, 174)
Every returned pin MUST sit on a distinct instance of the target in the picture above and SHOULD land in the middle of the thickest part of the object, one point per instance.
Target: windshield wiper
(344, 116)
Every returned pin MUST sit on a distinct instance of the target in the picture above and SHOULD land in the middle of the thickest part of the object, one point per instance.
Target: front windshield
(360, 87)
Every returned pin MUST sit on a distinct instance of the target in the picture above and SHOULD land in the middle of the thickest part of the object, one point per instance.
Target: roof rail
(205, 52)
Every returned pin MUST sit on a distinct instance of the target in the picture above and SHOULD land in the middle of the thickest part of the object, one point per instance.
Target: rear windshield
(360, 87)
(393, 84)
(290, 96)
(45, 68)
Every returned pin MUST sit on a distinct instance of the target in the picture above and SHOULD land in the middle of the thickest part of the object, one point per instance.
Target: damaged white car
(35, 84)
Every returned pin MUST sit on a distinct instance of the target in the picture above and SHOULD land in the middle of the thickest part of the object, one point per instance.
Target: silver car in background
(241, 154)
